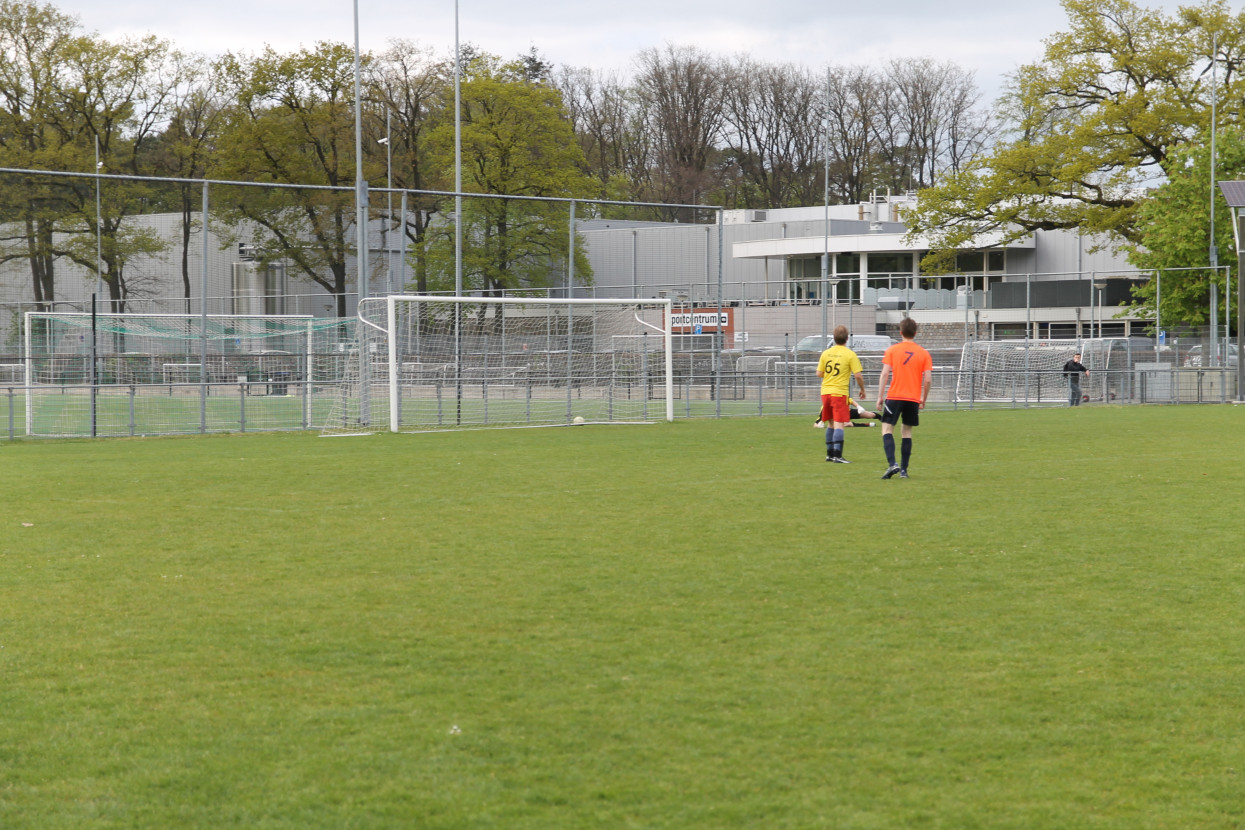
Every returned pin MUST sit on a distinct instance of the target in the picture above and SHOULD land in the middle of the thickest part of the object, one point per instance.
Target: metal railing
(122, 410)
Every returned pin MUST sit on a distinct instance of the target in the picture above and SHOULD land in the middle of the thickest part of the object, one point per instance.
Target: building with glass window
(1053, 283)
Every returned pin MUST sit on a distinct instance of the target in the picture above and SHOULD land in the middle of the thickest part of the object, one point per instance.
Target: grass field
(689, 625)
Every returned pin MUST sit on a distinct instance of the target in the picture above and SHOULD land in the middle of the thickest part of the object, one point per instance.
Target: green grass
(689, 625)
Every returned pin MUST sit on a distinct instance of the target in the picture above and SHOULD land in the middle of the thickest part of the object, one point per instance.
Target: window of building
(804, 278)
(981, 262)
(890, 270)
(970, 262)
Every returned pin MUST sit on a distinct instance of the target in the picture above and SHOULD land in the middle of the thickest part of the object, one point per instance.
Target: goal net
(118, 374)
(1012, 370)
(426, 362)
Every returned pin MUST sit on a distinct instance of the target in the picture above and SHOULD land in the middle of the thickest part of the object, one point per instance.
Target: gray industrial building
(769, 283)
(1051, 283)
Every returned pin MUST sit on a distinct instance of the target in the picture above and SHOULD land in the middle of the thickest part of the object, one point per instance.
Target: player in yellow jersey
(836, 367)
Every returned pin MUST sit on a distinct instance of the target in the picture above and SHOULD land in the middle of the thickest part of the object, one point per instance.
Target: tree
(113, 96)
(411, 85)
(604, 115)
(931, 124)
(771, 115)
(1091, 126)
(292, 123)
(516, 142)
(854, 108)
(34, 40)
(1173, 230)
(680, 90)
(185, 147)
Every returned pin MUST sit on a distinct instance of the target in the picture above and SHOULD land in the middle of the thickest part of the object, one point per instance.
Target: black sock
(905, 452)
(888, 444)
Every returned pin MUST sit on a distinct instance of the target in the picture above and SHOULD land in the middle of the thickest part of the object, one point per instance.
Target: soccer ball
(578, 421)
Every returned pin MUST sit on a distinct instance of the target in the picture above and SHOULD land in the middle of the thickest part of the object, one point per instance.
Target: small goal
(431, 362)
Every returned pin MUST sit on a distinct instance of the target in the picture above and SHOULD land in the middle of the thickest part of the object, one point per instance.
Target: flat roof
(872, 243)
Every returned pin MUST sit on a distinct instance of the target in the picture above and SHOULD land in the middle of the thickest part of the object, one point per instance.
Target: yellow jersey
(836, 365)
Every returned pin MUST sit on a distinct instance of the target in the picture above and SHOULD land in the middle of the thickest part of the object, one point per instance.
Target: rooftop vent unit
(758, 216)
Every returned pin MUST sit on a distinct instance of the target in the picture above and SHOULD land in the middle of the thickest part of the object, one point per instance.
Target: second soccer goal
(429, 362)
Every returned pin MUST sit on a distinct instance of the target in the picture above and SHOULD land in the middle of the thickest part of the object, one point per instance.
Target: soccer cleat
(890, 471)
(903, 473)
(829, 457)
(838, 459)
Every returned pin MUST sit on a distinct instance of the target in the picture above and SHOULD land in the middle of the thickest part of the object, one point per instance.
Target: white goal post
(1032, 370)
(446, 361)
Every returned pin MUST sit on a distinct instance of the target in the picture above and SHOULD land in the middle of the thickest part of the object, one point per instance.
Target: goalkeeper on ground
(856, 413)
(836, 367)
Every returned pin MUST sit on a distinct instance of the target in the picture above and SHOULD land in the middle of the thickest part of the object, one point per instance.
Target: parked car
(1196, 356)
(859, 343)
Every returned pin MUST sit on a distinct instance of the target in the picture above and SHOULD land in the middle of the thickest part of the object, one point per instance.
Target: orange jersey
(909, 363)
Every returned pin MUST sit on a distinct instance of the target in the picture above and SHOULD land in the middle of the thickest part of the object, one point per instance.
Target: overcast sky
(989, 37)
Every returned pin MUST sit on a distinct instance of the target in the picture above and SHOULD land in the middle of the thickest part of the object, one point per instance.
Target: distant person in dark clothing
(1075, 370)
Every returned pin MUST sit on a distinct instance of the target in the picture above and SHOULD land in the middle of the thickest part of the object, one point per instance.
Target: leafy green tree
(516, 142)
(1092, 126)
(293, 123)
(410, 85)
(116, 95)
(185, 147)
(1173, 226)
(33, 42)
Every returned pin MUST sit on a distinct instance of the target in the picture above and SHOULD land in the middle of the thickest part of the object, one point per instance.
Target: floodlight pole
(361, 240)
(825, 251)
(1240, 303)
(203, 304)
(99, 287)
(458, 220)
(1214, 249)
(99, 227)
(360, 185)
(458, 162)
(402, 241)
(384, 229)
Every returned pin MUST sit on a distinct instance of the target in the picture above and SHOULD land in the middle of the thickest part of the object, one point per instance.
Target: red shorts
(835, 406)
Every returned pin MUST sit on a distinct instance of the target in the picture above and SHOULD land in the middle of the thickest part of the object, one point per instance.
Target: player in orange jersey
(909, 370)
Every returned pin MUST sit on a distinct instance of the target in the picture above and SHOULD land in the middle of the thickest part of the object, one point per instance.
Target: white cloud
(990, 37)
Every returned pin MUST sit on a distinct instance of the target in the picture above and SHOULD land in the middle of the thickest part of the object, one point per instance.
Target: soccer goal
(127, 374)
(1019, 370)
(428, 362)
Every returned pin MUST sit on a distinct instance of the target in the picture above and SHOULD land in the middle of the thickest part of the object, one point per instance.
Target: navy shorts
(909, 411)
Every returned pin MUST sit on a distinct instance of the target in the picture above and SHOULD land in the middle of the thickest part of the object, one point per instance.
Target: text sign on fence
(705, 319)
